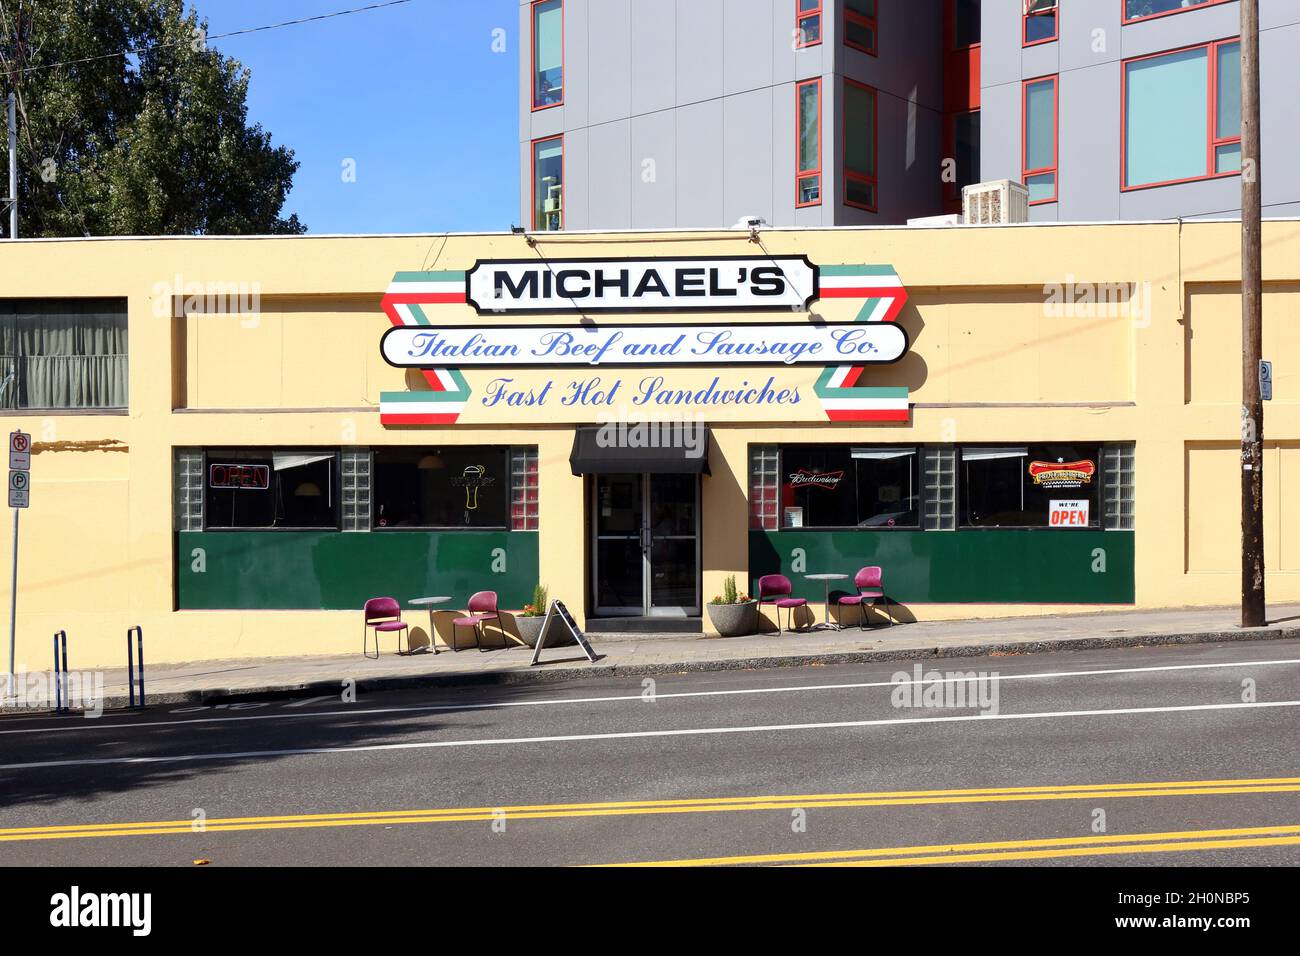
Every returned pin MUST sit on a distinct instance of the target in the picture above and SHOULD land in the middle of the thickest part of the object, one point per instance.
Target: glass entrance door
(646, 550)
(619, 526)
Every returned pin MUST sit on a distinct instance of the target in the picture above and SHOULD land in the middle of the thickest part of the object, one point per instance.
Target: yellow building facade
(1055, 429)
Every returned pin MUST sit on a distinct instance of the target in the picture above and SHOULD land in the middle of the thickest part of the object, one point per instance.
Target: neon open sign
(256, 477)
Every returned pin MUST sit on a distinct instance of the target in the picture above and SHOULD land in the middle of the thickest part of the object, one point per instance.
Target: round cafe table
(827, 624)
(431, 603)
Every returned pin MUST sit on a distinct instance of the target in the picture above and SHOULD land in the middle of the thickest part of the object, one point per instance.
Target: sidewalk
(626, 655)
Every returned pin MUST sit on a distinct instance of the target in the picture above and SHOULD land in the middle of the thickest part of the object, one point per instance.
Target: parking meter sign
(19, 489)
(20, 451)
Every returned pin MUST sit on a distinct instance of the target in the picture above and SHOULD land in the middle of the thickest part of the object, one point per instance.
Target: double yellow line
(1180, 841)
(895, 798)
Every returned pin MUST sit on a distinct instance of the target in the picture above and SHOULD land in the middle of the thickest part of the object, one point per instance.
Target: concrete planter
(734, 620)
(530, 627)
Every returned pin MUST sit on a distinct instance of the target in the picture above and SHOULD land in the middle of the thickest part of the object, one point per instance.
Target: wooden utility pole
(1252, 405)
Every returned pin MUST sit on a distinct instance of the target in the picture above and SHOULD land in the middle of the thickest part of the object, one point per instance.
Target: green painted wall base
(995, 566)
(334, 570)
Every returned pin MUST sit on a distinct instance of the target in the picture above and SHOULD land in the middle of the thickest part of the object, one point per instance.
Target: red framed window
(808, 143)
(961, 24)
(548, 184)
(807, 23)
(961, 141)
(859, 146)
(1136, 10)
(1181, 115)
(861, 29)
(1039, 22)
(548, 53)
(1039, 109)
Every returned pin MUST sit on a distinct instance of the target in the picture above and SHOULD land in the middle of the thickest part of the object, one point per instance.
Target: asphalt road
(1160, 756)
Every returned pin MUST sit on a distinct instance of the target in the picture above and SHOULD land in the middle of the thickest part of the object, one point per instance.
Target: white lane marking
(631, 734)
(492, 705)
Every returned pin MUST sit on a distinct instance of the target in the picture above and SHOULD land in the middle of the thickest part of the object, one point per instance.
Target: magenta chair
(482, 607)
(871, 588)
(384, 614)
(775, 589)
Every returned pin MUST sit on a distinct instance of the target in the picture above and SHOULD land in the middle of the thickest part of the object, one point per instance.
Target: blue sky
(413, 93)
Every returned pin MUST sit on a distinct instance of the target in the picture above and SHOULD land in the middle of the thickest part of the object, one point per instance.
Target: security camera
(749, 222)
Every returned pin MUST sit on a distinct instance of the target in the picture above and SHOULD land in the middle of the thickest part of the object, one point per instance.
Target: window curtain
(63, 354)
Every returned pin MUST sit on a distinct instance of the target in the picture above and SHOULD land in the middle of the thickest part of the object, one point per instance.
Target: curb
(569, 673)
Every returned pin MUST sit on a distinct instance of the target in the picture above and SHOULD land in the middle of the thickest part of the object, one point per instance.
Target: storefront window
(448, 487)
(844, 486)
(764, 486)
(261, 488)
(524, 510)
(1030, 486)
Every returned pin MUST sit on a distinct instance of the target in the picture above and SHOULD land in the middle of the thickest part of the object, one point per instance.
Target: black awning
(641, 448)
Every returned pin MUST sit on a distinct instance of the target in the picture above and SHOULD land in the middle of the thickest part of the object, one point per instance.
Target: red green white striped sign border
(842, 398)
(883, 298)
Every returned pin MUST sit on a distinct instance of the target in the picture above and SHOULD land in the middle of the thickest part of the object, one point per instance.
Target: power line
(219, 36)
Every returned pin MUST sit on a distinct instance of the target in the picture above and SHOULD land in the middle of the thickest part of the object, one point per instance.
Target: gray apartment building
(1130, 109)
(686, 113)
(641, 114)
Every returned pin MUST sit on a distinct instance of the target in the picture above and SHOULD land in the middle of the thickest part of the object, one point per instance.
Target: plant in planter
(733, 613)
(529, 620)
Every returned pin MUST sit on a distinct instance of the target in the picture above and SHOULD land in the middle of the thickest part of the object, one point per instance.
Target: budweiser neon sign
(803, 478)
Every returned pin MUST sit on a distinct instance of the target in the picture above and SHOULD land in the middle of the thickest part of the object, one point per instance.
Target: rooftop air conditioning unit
(995, 203)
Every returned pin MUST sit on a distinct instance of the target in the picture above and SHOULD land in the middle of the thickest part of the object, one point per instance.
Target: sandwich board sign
(558, 609)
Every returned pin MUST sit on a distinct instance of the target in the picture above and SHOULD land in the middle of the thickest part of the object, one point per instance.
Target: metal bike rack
(60, 675)
(131, 670)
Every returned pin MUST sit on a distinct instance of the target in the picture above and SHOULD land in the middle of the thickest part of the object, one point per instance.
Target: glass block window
(354, 466)
(523, 489)
(1118, 478)
(939, 474)
(187, 481)
(764, 487)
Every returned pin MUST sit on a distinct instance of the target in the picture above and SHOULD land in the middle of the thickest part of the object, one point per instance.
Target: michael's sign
(723, 283)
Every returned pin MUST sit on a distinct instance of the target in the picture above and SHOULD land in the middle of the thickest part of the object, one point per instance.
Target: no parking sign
(20, 463)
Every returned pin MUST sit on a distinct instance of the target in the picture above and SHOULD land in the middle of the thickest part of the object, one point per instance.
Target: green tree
(151, 142)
